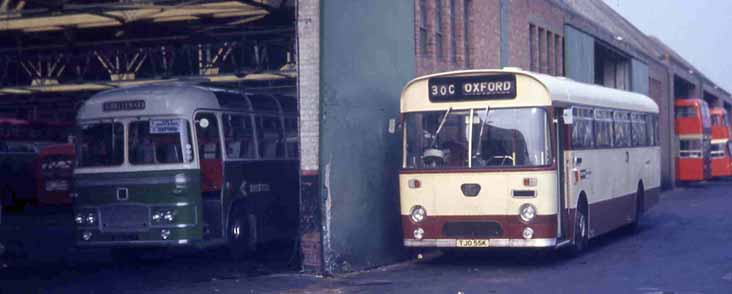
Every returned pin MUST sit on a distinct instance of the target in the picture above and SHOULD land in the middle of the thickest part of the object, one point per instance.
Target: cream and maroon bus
(509, 158)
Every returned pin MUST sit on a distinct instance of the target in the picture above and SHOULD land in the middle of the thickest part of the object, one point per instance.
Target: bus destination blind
(123, 105)
(491, 87)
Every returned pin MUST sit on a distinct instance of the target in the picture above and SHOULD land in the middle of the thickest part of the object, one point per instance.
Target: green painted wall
(367, 55)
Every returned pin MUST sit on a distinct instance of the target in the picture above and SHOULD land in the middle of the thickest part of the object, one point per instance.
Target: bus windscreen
(514, 137)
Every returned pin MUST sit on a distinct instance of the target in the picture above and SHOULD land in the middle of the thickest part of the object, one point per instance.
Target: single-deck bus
(693, 130)
(720, 149)
(510, 158)
(178, 165)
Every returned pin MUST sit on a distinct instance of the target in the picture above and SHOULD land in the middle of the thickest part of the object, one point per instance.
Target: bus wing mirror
(392, 125)
(568, 116)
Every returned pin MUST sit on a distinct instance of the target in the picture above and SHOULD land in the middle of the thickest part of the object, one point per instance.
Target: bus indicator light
(530, 182)
(415, 184)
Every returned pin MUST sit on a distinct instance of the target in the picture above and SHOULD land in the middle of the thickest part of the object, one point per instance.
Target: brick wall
(483, 42)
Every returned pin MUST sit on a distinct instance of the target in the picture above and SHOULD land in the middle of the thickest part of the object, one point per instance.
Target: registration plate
(472, 243)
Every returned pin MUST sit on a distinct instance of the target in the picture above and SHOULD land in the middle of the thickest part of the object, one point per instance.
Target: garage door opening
(243, 52)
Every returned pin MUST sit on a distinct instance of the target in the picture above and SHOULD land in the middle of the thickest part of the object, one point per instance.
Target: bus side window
(271, 145)
(238, 136)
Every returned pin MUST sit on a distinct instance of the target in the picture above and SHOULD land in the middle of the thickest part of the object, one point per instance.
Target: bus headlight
(79, 219)
(91, 219)
(527, 212)
(163, 216)
(418, 214)
(418, 234)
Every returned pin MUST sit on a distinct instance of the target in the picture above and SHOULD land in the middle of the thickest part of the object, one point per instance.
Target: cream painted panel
(440, 194)
(529, 93)
(611, 176)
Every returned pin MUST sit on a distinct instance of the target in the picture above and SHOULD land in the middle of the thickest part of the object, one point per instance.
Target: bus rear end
(693, 132)
(720, 148)
(54, 171)
(478, 172)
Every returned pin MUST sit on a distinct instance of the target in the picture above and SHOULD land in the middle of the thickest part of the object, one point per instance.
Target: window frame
(439, 31)
(255, 140)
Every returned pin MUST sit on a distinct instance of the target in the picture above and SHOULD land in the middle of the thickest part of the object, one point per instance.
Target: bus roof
(564, 91)
(718, 110)
(689, 102)
(178, 99)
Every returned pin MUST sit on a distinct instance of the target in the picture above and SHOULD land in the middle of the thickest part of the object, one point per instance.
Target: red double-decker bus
(693, 132)
(720, 149)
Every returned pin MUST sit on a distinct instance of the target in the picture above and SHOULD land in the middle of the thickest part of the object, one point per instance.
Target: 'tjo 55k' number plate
(472, 243)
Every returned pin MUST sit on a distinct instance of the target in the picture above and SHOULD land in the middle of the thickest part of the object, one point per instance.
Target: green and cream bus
(509, 158)
(185, 165)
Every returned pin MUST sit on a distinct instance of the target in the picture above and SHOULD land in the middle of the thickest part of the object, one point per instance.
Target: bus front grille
(472, 229)
(124, 218)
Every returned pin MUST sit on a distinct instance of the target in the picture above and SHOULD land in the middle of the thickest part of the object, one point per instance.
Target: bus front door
(210, 157)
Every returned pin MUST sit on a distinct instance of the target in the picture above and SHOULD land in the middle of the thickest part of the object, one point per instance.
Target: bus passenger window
(207, 131)
(238, 136)
(156, 141)
(603, 128)
(270, 135)
(582, 129)
(638, 133)
(100, 144)
(621, 129)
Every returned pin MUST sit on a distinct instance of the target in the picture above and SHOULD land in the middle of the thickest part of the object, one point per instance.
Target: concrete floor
(682, 246)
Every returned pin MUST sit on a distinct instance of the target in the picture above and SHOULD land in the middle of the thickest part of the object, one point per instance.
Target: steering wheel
(433, 157)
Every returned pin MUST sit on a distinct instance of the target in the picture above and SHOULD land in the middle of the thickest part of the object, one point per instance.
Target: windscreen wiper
(480, 135)
(439, 128)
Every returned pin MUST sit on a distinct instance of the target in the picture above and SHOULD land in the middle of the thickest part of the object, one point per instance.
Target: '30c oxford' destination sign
(488, 87)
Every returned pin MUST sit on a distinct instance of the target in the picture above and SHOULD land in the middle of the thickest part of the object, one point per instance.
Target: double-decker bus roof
(564, 91)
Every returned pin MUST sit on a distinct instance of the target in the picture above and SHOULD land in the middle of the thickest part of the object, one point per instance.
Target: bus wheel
(632, 227)
(581, 232)
(238, 233)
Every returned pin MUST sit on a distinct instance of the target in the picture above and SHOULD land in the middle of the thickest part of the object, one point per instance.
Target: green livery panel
(136, 208)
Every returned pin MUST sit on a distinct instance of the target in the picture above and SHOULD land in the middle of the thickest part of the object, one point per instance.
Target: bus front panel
(138, 208)
(479, 209)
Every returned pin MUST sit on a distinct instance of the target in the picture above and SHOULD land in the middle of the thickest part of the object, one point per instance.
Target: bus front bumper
(139, 243)
(490, 243)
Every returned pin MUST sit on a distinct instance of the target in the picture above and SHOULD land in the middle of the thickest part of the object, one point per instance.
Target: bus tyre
(238, 237)
(581, 232)
(633, 226)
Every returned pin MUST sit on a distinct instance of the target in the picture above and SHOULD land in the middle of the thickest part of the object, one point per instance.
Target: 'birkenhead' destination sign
(444, 89)
(123, 105)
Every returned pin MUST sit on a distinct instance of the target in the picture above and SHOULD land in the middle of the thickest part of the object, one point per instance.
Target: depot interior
(56, 54)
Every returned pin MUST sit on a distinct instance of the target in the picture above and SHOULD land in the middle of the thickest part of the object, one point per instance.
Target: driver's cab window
(207, 133)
